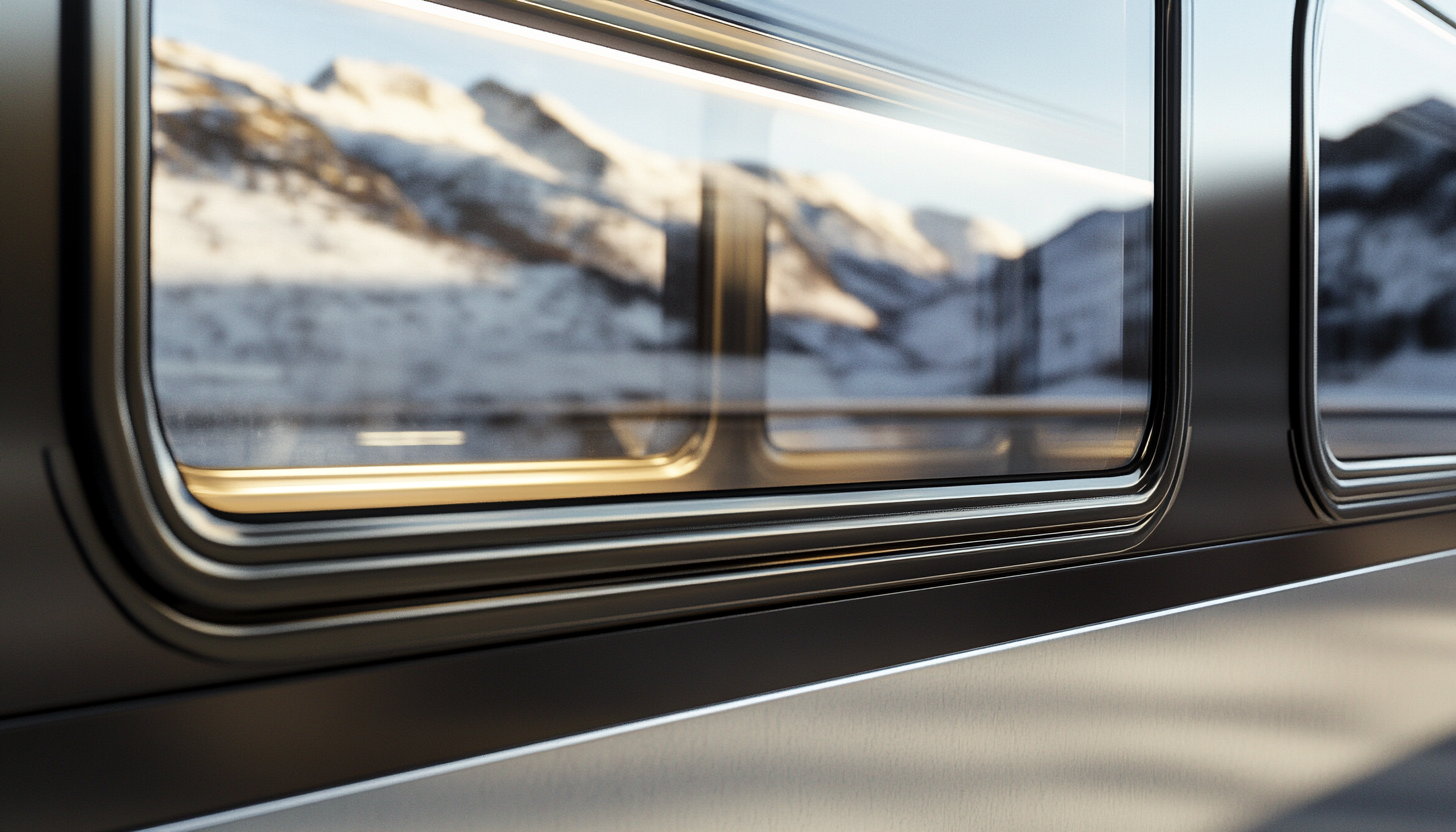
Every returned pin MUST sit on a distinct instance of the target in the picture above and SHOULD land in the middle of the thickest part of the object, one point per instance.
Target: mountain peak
(522, 119)
(1432, 120)
(973, 244)
(218, 73)
(394, 100)
(373, 83)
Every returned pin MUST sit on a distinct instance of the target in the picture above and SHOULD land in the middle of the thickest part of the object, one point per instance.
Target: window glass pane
(955, 329)
(385, 233)
(928, 293)
(1387, 230)
(370, 246)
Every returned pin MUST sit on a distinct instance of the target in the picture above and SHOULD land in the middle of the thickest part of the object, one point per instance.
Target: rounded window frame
(1340, 489)
(350, 584)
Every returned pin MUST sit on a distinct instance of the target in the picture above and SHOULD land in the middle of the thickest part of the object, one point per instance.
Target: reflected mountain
(379, 241)
(1387, 286)
(1387, 239)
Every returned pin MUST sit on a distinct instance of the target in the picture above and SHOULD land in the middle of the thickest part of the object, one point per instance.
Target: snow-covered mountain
(379, 240)
(1387, 239)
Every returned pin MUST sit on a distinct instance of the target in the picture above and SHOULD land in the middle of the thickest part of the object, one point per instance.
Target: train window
(1383, 131)
(402, 254)
(446, 323)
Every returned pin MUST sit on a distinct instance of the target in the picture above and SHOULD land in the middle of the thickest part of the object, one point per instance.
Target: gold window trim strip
(271, 490)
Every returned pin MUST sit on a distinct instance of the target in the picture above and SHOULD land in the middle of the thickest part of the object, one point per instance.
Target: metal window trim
(331, 586)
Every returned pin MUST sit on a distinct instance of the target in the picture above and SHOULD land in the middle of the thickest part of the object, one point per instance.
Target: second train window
(1385, 111)
(404, 254)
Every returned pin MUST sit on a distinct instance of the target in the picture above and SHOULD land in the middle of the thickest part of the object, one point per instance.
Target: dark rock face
(1387, 238)
(1095, 282)
(1437, 328)
(1078, 306)
(1401, 163)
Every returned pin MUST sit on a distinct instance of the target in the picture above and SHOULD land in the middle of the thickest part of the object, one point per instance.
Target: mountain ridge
(1387, 238)
(378, 235)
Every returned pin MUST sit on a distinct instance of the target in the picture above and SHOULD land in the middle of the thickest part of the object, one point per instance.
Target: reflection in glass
(1387, 231)
(387, 233)
(1070, 80)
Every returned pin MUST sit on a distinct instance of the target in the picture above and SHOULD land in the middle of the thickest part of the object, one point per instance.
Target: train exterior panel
(575, 414)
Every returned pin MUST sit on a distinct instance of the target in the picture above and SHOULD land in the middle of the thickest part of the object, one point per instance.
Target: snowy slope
(1387, 242)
